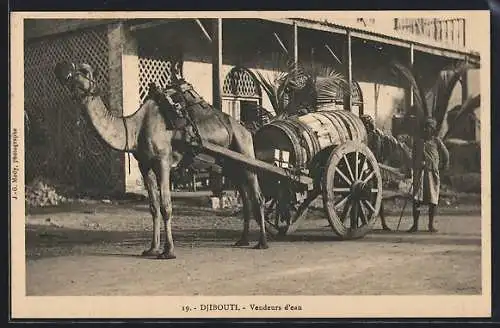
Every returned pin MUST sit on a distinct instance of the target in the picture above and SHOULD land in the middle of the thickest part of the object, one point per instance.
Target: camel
(158, 147)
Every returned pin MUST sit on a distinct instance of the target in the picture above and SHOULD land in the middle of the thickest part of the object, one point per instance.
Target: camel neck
(116, 131)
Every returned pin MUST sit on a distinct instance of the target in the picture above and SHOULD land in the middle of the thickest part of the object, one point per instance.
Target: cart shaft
(214, 149)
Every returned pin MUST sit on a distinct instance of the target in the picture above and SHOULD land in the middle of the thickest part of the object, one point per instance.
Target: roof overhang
(139, 26)
(38, 28)
(364, 34)
(136, 25)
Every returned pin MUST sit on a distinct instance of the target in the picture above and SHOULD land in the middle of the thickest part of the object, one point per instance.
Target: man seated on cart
(384, 146)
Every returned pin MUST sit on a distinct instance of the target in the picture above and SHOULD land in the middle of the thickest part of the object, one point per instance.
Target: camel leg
(243, 143)
(163, 176)
(154, 206)
(257, 203)
(244, 240)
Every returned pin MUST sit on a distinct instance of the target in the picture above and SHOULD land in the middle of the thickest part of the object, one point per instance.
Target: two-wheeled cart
(323, 153)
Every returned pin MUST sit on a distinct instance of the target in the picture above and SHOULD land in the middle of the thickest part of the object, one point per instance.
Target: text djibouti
(253, 307)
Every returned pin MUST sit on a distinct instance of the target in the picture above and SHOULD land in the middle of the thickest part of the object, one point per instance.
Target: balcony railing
(449, 31)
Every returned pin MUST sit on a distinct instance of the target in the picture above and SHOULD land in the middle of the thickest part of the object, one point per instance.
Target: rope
(126, 143)
(193, 125)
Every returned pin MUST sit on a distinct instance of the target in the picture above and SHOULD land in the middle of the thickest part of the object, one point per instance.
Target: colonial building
(220, 58)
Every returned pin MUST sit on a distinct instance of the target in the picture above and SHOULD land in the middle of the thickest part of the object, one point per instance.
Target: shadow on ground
(43, 241)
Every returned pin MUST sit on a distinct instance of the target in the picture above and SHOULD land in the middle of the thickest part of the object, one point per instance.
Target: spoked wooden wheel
(283, 217)
(352, 190)
(278, 221)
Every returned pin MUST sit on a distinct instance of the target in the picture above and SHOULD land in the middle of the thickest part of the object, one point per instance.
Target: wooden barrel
(302, 137)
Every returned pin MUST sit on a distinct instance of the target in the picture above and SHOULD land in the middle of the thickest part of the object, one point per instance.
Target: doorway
(249, 112)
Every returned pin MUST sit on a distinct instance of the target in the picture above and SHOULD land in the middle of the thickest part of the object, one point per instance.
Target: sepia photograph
(250, 164)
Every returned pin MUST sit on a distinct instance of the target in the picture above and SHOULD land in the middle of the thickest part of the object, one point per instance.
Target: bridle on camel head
(75, 71)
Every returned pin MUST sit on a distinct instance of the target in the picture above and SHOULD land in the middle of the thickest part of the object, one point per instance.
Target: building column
(295, 43)
(216, 179)
(464, 82)
(348, 69)
(416, 132)
(409, 97)
(412, 61)
(217, 63)
(115, 44)
(124, 94)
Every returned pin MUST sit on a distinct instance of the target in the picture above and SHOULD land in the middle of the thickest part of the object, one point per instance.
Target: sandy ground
(94, 250)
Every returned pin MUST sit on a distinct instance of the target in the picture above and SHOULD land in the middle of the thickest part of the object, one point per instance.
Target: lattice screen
(157, 68)
(61, 143)
(239, 82)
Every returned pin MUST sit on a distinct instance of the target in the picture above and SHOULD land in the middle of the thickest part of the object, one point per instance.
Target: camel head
(79, 78)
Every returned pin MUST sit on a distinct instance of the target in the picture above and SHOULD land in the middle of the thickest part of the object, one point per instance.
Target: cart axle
(360, 190)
